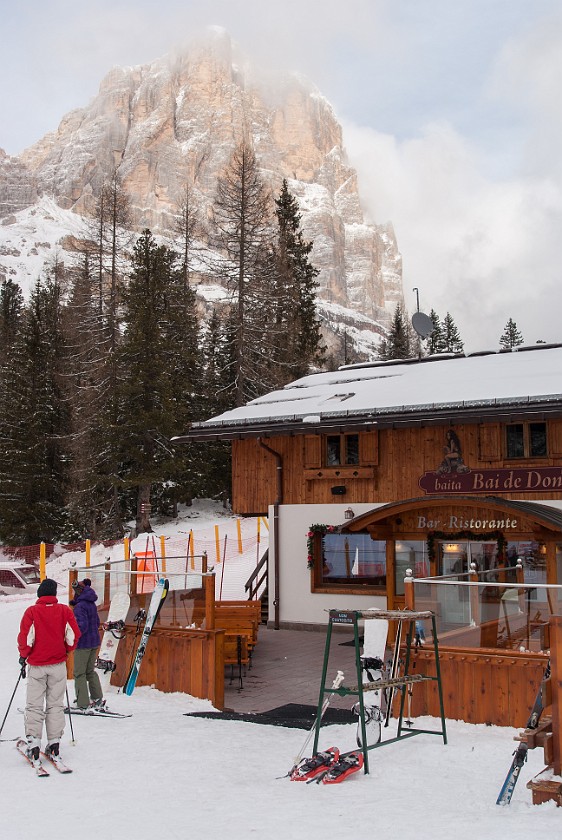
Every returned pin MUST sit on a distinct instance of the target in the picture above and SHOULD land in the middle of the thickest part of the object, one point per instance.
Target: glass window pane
(333, 450)
(353, 558)
(514, 441)
(352, 449)
(537, 439)
(410, 554)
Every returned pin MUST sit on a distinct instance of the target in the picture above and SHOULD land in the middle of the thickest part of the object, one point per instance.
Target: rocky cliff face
(175, 122)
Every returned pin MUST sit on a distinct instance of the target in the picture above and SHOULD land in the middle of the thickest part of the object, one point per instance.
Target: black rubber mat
(293, 716)
(351, 642)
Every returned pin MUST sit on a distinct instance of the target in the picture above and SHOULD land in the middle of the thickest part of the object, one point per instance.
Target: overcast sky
(451, 111)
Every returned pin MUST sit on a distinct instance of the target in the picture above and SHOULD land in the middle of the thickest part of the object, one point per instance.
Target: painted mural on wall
(454, 476)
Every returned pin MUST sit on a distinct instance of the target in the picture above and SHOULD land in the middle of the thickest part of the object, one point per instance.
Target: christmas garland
(311, 534)
(466, 535)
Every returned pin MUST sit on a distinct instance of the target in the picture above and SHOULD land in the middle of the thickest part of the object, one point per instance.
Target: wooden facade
(391, 463)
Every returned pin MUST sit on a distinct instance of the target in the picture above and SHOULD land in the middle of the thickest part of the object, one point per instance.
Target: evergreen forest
(111, 357)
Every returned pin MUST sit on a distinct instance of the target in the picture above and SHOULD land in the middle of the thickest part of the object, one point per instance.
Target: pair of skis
(520, 754)
(38, 765)
(91, 711)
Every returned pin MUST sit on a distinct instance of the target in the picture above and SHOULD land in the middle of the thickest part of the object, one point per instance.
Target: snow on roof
(526, 374)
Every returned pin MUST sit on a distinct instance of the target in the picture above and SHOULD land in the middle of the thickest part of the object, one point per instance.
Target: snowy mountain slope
(176, 121)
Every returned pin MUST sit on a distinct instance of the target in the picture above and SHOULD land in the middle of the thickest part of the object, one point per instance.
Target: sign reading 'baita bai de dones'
(453, 476)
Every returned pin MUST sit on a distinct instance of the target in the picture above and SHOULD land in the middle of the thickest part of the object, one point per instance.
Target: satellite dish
(422, 324)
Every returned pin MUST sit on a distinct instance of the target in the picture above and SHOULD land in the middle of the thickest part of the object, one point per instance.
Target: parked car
(18, 578)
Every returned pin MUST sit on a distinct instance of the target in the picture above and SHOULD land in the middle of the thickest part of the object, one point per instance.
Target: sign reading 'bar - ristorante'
(536, 480)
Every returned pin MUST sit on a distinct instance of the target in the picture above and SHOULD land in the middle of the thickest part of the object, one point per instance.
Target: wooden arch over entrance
(530, 516)
(448, 518)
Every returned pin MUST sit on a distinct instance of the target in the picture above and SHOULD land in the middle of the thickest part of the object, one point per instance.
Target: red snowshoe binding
(308, 768)
(343, 767)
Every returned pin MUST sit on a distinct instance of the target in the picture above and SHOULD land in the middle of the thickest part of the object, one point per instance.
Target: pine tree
(213, 459)
(511, 337)
(242, 233)
(188, 228)
(452, 342)
(436, 338)
(298, 326)
(180, 333)
(147, 408)
(35, 425)
(398, 343)
(92, 502)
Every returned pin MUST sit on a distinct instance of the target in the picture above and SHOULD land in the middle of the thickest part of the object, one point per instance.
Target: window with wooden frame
(347, 562)
(526, 440)
(341, 450)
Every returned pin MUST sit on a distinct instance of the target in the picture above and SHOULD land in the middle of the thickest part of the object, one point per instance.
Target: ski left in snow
(158, 597)
(89, 712)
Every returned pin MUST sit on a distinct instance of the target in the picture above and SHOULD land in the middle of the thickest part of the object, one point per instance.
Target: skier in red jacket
(48, 632)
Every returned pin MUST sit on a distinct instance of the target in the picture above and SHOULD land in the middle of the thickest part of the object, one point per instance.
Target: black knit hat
(47, 587)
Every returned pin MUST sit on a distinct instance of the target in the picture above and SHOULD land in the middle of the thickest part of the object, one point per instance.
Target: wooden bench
(240, 621)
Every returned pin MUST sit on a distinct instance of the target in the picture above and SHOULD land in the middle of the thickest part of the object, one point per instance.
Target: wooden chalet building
(449, 466)
(428, 464)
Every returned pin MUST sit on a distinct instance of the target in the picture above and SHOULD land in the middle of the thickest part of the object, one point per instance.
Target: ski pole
(22, 674)
(73, 742)
(336, 684)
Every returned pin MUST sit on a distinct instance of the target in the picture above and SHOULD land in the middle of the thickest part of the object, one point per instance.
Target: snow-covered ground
(160, 774)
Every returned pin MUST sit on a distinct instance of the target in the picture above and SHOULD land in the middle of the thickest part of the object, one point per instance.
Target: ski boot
(33, 750)
(52, 750)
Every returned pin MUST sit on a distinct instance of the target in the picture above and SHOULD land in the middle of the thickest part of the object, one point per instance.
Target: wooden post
(204, 563)
(217, 545)
(163, 552)
(72, 578)
(409, 594)
(133, 588)
(209, 601)
(239, 533)
(474, 599)
(88, 549)
(520, 578)
(42, 561)
(107, 582)
(556, 691)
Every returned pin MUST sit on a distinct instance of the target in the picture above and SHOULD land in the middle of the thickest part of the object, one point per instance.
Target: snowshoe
(308, 768)
(343, 767)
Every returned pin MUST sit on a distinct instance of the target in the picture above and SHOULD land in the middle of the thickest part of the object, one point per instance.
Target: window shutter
(369, 448)
(554, 437)
(312, 452)
(489, 442)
